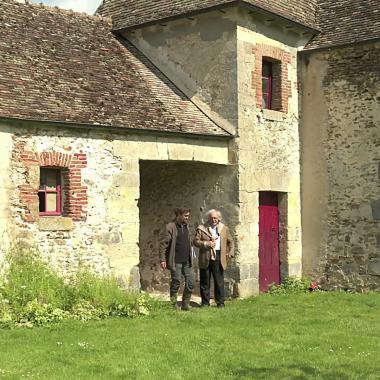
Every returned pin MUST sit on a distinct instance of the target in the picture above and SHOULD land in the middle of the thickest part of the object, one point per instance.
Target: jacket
(168, 243)
(203, 234)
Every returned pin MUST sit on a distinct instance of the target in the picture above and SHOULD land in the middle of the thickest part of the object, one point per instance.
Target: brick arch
(54, 159)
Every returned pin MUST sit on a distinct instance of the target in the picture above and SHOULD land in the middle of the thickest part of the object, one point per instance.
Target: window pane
(51, 179)
(264, 101)
(267, 69)
(51, 202)
(265, 85)
(42, 206)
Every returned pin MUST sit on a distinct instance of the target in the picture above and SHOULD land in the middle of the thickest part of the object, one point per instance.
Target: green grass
(302, 336)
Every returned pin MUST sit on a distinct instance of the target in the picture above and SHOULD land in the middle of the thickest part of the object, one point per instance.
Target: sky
(88, 6)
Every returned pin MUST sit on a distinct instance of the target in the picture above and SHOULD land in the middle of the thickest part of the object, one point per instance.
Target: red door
(269, 260)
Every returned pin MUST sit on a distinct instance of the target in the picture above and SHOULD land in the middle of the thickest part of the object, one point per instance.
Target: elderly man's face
(213, 218)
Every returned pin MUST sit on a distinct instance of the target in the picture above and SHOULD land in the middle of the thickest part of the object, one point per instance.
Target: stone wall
(267, 147)
(5, 189)
(166, 185)
(340, 166)
(198, 54)
(216, 59)
(100, 228)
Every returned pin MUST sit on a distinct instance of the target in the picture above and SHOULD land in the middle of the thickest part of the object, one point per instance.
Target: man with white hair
(216, 247)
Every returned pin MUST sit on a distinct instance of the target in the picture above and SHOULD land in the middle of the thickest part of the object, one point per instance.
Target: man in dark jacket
(176, 255)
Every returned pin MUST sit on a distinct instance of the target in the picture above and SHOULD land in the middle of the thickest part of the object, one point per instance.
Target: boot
(173, 299)
(186, 300)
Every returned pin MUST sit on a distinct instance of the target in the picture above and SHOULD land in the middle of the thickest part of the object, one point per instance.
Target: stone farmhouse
(268, 110)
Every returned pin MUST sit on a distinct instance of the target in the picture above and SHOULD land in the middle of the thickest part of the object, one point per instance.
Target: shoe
(186, 300)
(173, 300)
(220, 305)
(205, 305)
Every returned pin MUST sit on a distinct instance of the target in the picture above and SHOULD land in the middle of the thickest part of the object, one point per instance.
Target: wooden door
(269, 260)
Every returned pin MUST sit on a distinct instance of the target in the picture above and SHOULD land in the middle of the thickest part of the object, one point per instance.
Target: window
(267, 84)
(49, 193)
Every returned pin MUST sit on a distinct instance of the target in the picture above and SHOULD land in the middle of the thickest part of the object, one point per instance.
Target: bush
(28, 279)
(32, 294)
(291, 285)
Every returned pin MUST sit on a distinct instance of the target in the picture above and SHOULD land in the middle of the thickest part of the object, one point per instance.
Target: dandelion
(83, 344)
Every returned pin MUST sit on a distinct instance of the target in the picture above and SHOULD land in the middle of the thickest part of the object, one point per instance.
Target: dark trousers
(216, 270)
(185, 270)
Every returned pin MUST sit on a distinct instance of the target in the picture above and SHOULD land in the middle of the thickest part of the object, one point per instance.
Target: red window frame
(43, 191)
(267, 77)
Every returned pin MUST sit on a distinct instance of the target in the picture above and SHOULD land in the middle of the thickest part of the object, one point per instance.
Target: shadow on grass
(291, 372)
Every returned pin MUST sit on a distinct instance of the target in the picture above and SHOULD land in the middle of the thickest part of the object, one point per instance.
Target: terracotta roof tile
(346, 21)
(132, 13)
(63, 66)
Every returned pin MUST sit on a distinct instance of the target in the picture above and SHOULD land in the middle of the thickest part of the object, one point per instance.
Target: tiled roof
(63, 66)
(132, 13)
(346, 21)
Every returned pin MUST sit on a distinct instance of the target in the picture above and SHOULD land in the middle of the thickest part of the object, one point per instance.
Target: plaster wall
(340, 171)
(107, 239)
(198, 55)
(5, 188)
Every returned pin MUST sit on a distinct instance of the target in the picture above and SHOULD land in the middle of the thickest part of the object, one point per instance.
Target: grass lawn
(306, 336)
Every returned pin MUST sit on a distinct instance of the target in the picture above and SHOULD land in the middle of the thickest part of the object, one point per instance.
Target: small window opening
(49, 193)
(267, 84)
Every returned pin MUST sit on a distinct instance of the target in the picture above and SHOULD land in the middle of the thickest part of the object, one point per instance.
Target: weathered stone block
(245, 271)
(180, 152)
(295, 251)
(273, 115)
(248, 288)
(375, 205)
(295, 269)
(134, 279)
(374, 267)
(109, 238)
(55, 223)
(293, 233)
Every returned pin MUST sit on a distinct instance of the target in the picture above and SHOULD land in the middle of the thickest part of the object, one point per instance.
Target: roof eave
(111, 128)
(307, 28)
(244, 4)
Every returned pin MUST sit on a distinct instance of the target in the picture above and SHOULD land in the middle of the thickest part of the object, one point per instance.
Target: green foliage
(32, 294)
(291, 285)
(28, 279)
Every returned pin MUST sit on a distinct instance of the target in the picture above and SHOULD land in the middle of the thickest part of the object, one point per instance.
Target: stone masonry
(100, 224)
(266, 144)
(341, 156)
(161, 105)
